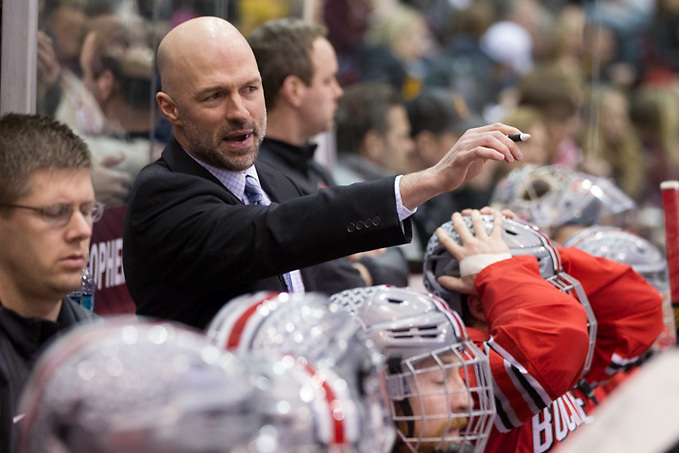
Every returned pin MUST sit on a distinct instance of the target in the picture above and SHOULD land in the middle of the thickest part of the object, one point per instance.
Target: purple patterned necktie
(255, 195)
(253, 191)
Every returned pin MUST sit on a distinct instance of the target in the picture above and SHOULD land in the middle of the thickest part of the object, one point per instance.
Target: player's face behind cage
(440, 400)
(438, 381)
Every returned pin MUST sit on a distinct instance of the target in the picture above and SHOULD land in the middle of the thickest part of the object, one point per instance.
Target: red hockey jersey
(537, 342)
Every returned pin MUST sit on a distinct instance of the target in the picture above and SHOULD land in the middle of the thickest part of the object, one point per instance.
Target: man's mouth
(238, 138)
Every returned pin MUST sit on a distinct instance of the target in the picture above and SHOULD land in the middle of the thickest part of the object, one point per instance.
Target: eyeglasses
(60, 214)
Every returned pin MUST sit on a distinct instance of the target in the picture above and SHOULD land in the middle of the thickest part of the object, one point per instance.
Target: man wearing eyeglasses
(47, 209)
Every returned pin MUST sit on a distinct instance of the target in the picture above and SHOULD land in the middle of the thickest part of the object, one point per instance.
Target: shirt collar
(232, 180)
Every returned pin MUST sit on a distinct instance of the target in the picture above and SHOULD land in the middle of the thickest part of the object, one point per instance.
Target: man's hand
(477, 250)
(463, 162)
(49, 68)
(487, 210)
(111, 186)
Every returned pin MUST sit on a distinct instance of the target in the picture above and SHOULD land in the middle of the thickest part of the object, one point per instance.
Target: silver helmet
(645, 258)
(554, 196)
(137, 386)
(624, 247)
(424, 342)
(522, 239)
(310, 327)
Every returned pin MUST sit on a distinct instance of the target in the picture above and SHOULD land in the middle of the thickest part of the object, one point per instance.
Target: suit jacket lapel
(278, 186)
(178, 160)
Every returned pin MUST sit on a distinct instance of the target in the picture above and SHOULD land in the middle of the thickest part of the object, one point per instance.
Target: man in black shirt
(47, 208)
(299, 68)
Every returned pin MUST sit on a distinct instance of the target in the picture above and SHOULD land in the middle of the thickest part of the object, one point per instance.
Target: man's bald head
(212, 92)
(188, 38)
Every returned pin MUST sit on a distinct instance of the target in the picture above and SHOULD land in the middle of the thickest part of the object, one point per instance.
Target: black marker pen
(519, 137)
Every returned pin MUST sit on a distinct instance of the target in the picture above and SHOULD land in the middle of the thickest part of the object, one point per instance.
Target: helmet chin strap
(408, 412)
(394, 366)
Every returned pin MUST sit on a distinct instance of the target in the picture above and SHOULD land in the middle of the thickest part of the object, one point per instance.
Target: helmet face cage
(532, 192)
(439, 382)
(522, 239)
(309, 326)
(448, 393)
(134, 386)
(554, 196)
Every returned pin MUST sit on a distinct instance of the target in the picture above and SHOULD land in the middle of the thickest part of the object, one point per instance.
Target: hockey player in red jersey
(549, 319)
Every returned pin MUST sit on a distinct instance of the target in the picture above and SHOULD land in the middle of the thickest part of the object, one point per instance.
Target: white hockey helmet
(624, 247)
(310, 327)
(554, 196)
(645, 258)
(128, 385)
(522, 239)
(421, 338)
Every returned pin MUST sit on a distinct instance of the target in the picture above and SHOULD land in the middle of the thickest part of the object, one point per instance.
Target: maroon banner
(106, 264)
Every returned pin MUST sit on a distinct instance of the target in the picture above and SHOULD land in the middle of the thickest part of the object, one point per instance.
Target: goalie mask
(439, 382)
(137, 386)
(522, 239)
(554, 196)
(310, 327)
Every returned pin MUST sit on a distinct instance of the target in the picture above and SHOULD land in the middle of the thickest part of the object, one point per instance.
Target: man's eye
(57, 211)
(87, 209)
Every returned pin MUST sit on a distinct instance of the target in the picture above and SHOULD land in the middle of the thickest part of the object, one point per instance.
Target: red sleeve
(538, 338)
(627, 308)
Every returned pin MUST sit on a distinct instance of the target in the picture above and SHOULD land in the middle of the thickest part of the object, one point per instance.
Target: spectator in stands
(117, 67)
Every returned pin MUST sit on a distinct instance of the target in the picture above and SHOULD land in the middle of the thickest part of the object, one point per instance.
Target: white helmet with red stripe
(310, 327)
(522, 239)
(439, 382)
(130, 385)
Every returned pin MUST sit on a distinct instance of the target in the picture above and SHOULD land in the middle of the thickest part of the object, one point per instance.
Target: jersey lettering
(553, 423)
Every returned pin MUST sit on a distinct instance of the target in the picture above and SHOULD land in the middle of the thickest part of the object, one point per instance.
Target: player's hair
(29, 143)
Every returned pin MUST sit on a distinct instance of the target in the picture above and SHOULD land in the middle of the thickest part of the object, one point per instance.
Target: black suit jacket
(307, 177)
(190, 245)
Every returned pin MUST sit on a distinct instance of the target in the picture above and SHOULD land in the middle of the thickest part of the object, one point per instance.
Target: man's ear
(372, 146)
(167, 107)
(426, 146)
(106, 85)
(293, 90)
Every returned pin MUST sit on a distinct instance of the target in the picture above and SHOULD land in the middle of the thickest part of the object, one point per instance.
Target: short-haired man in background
(299, 68)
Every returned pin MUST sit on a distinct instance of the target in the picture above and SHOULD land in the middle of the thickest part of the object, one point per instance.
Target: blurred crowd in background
(593, 82)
